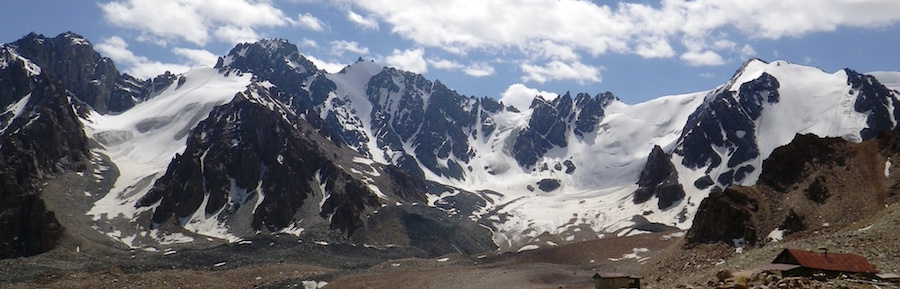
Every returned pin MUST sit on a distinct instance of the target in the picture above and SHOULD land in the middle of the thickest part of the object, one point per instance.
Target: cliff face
(40, 138)
(810, 184)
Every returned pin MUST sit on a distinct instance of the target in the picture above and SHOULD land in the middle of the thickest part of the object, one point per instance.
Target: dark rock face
(728, 121)
(441, 135)
(407, 108)
(590, 111)
(548, 185)
(784, 168)
(875, 99)
(552, 122)
(660, 179)
(243, 149)
(44, 139)
(804, 185)
(280, 63)
(547, 128)
(726, 216)
(93, 79)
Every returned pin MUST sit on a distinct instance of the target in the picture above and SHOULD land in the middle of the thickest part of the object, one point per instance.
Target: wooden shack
(616, 281)
(823, 263)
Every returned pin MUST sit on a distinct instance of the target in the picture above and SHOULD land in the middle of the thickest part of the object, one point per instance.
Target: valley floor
(279, 262)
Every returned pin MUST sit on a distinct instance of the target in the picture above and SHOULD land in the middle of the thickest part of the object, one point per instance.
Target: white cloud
(747, 51)
(479, 69)
(310, 22)
(197, 57)
(306, 42)
(328, 66)
(445, 64)
(558, 70)
(520, 96)
(138, 66)
(339, 47)
(411, 60)
(236, 34)
(707, 75)
(654, 48)
(705, 58)
(364, 22)
(563, 29)
(196, 21)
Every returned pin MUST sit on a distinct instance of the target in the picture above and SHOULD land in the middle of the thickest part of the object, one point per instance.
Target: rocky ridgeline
(38, 141)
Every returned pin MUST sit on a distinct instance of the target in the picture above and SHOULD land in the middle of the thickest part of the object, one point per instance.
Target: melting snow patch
(314, 284)
(866, 228)
(443, 259)
(528, 248)
(245, 242)
(293, 230)
(322, 243)
(635, 254)
(776, 235)
(169, 239)
(167, 253)
(220, 264)
(887, 168)
(672, 236)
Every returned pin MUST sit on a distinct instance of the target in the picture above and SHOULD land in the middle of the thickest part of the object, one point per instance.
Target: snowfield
(598, 194)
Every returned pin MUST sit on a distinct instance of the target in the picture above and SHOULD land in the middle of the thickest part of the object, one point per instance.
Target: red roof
(826, 261)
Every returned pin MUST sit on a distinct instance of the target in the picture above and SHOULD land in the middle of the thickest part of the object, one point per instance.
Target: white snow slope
(143, 140)
(609, 160)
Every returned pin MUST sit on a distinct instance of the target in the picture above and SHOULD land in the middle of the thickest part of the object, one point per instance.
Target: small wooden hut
(616, 281)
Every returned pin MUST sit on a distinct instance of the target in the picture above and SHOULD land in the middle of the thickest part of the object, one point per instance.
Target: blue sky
(510, 49)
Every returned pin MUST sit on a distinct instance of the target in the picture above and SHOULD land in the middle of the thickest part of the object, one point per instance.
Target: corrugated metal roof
(831, 261)
(776, 267)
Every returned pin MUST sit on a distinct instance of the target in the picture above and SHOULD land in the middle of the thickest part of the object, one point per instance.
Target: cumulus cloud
(306, 42)
(328, 66)
(310, 22)
(138, 66)
(558, 70)
(558, 30)
(411, 60)
(520, 96)
(236, 34)
(479, 69)
(197, 57)
(445, 64)
(195, 21)
(339, 47)
(705, 58)
(364, 22)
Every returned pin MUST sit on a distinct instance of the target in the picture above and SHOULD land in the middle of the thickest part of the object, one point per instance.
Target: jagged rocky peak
(552, 120)
(659, 178)
(40, 137)
(71, 59)
(874, 99)
(590, 111)
(266, 58)
(727, 120)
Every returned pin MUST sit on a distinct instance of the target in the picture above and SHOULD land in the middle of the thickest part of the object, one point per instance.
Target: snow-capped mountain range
(265, 141)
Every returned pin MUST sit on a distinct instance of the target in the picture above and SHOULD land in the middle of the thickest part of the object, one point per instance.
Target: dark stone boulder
(660, 179)
(548, 185)
(726, 216)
